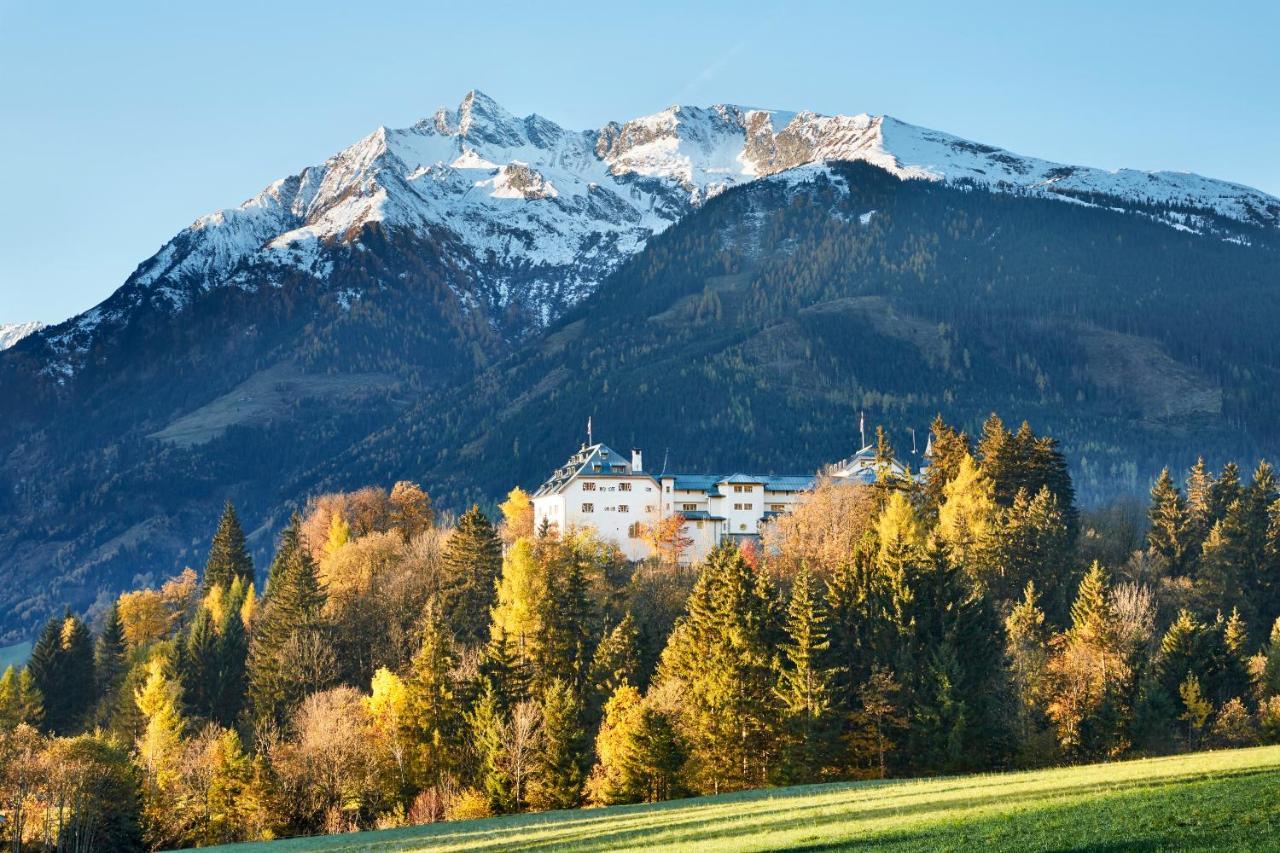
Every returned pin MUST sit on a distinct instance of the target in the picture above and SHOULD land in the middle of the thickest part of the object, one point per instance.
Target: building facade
(600, 488)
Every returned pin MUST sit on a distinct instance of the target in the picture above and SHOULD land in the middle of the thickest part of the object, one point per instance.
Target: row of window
(590, 507)
(588, 486)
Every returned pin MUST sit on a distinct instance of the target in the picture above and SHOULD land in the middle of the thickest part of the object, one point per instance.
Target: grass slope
(1211, 800)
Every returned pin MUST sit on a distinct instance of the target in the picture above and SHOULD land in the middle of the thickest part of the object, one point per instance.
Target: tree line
(399, 667)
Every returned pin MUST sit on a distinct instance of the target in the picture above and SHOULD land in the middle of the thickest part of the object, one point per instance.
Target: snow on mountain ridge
(11, 333)
(541, 214)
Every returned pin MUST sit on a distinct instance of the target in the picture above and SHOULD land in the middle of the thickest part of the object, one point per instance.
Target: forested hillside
(393, 669)
(749, 335)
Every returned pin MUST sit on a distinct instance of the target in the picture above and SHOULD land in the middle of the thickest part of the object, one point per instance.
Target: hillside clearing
(1212, 800)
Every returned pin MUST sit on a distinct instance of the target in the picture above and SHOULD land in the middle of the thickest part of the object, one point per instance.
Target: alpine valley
(728, 287)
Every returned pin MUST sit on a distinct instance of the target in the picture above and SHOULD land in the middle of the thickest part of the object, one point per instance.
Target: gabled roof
(597, 460)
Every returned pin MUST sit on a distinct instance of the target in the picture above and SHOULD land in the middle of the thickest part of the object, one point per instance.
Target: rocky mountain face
(531, 216)
(384, 314)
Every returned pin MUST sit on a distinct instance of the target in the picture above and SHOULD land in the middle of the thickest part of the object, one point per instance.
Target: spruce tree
(232, 653)
(472, 563)
(616, 660)
(948, 447)
(488, 740)
(562, 755)
(720, 654)
(291, 610)
(20, 702)
(1028, 653)
(804, 688)
(198, 665)
(62, 671)
(434, 713)
(1167, 538)
(109, 660)
(228, 555)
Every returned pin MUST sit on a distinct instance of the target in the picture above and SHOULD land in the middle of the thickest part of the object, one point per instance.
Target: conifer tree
(720, 655)
(616, 660)
(292, 610)
(560, 765)
(1199, 509)
(198, 665)
(1034, 545)
(435, 717)
(20, 701)
(1028, 651)
(232, 658)
(159, 749)
(109, 662)
(948, 447)
(563, 612)
(1224, 491)
(804, 687)
(1167, 539)
(228, 555)
(999, 458)
(62, 671)
(488, 734)
(472, 561)
(611, 782)
(1088, 674)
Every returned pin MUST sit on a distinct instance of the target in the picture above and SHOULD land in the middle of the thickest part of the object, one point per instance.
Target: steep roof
(596, 460)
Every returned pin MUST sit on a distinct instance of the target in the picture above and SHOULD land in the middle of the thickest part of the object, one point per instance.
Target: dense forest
(394, 665)
(761, 324)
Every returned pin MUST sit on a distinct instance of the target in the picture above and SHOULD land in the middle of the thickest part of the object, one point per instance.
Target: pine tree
(1088, 674)
(228, 555)
(292, 610)
(20, 701)
(198, 665)
(109, 661)
(804, 687)
(488, 734)
(1028, 652)
(561, 757)
(62, 671)
(472, 562)
(720, 656)
(1167, 538)
(616, 661)
(232, 658)
(435, 717)
(948, 447)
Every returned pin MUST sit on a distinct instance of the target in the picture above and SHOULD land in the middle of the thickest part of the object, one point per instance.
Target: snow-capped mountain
(531, 214)
(11, 333)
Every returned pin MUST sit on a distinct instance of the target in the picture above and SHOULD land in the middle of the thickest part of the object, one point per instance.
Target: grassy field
(1206, 801)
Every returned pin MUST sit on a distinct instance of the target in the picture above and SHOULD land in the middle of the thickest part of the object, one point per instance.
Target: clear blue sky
(120, 123)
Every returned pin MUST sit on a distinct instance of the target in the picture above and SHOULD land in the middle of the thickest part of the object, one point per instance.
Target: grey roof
(596, 460)
(698, 515)
(772, 482)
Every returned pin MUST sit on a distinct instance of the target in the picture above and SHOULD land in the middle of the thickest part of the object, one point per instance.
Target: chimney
(636, 462)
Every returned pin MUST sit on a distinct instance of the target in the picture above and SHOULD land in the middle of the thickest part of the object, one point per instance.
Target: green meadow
(1203, 801)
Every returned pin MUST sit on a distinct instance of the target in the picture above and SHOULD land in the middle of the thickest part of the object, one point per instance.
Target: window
(742, 506)
(741, 489)
(699, 525)
(778, 507)
(588, 487)
(668, 490)
(648, 509)
(624, 487)
(624, 508)
(742, 527)
(634, 530)
(588, 507)
(689, 507)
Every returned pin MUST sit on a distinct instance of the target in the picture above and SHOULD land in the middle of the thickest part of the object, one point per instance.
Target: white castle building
(600, 488)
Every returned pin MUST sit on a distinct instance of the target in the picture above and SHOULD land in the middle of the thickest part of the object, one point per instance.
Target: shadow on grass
(823, 816)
